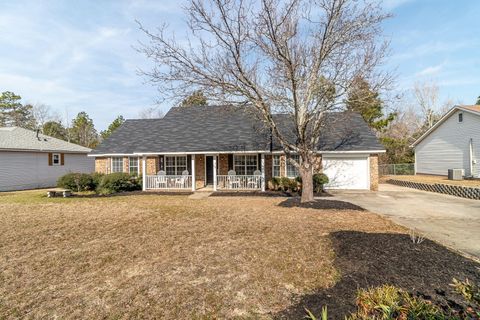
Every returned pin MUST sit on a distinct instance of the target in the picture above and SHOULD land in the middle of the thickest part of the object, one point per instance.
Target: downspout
(472, 161)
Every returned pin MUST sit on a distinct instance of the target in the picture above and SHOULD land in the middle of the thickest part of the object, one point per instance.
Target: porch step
(200, 195)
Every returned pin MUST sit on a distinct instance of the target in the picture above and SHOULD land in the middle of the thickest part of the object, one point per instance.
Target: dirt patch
(373, 259)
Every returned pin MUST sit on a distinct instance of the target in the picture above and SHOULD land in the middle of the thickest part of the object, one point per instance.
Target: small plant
(319, 180)
(469, 291)
(285, 183)
(311, 316)
(416, 237)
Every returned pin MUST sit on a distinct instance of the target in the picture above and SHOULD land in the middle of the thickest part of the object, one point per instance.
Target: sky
(80, 55)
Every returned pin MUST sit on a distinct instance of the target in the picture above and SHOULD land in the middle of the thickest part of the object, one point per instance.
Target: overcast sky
(78, 55)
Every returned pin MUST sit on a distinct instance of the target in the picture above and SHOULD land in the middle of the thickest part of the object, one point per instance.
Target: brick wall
(374, 172)
(101, 165)
(223, 164)
(199, 171)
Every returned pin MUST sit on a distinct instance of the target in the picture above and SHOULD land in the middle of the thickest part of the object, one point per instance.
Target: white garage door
(346, 173)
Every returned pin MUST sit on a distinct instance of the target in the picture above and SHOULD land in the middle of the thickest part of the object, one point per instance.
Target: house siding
(31, 170)
(447, 147)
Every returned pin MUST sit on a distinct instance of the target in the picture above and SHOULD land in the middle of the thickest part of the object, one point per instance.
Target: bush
(97, 178)
(284, 183)
(275, 181)
(319, 179)
(119, 181)
(76, 182)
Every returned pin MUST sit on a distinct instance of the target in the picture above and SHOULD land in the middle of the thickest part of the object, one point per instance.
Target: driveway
(450, 220)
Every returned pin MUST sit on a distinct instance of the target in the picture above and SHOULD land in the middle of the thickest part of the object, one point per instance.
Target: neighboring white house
(31, 160)
(452, 143)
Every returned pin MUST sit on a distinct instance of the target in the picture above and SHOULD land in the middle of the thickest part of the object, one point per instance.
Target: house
(227, 147)
(31, 160)
(452, 143)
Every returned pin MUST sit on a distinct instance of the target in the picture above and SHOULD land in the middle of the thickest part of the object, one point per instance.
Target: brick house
(227, 148)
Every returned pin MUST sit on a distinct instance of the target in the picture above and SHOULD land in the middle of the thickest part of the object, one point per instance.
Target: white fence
(167, 182)
(397, 169)
(236, 182)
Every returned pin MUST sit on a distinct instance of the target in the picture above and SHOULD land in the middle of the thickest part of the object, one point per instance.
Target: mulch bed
(267, 193)
(373, 259)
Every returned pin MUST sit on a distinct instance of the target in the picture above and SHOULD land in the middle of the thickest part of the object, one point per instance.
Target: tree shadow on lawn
(372, 259)
(323, 204)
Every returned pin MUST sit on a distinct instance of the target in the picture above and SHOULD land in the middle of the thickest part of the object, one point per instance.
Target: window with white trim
(175, 165)
(133, 165)
(117, 164)
(56, 159)
(245, 164)
(292, 171)
(276, 165)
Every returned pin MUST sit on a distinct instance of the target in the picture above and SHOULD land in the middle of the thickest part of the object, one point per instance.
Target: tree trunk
(306, 172)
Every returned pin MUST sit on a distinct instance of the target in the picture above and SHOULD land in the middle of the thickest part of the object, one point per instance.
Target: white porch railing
(167, 182)
(236, 182)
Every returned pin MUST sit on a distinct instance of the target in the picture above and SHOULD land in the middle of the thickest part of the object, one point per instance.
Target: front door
(209, 169)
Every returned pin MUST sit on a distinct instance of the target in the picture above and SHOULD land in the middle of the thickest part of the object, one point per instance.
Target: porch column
(262, 164)
(214, 173)
(144, 173)
(193, 172)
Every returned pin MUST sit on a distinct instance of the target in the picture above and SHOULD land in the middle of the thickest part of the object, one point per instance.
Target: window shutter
(162, 163)
(259, 160)
(62, 159)
(230, 162)
(189, 164)
(50, 159)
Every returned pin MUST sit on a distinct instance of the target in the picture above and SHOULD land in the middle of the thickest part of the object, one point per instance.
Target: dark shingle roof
(227, 128)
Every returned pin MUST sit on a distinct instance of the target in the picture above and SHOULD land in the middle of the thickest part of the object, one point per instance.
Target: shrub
(275, 183)
(319, 179)
(284, 183)
(76, 182)
(117, 182)
(97, 178)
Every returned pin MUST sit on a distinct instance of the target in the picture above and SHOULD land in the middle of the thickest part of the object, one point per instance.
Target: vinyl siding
(29, 170)
(447, 147)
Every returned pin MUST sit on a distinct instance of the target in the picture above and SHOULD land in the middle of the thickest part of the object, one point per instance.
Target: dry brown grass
(158, 256)
(435, 179)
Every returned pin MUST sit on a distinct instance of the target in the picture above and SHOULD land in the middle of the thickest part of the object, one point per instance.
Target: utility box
(455, 174)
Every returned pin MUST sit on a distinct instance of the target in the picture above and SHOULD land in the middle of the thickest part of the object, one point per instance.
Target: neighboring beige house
(30, 160)
(227, 148)
(452, 143)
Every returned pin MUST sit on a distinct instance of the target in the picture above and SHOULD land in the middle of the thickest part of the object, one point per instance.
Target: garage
(347, 172)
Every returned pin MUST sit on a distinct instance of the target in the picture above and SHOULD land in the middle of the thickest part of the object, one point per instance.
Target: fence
(396, 169)
(237, 182)
(155, 182)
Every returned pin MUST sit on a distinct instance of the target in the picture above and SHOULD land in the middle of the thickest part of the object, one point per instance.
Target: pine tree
(112, 127)
(197, 98)
(367, 102)
(83, 131)
(13, 113)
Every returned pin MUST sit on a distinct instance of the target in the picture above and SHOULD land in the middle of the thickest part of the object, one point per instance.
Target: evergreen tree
(83, 131)
(478, 100)
(55, 129)
(112, 127)
(367, 102)
(197, 98)
(14, 113)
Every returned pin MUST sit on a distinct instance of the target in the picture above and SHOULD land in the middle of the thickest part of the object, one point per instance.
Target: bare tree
(151, 113)
(426, 95)
(298, 57)
(44, 113)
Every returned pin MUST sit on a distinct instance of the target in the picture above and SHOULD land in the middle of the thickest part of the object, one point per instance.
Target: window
(292, 171)
(175, 165)
(133, 165)
(245, 164)
(117, 164)
(56, 159)
(460, 117)
(276, 165)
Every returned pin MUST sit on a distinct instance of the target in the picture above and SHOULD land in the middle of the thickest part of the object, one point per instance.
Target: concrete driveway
(450, 220)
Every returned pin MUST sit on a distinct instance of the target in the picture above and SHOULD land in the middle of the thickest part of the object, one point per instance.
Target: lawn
(168, 256)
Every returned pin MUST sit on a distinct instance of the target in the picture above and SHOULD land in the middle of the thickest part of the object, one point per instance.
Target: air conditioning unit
(456, 174)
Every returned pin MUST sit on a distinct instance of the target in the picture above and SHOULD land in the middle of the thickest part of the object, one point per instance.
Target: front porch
(217, 172)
